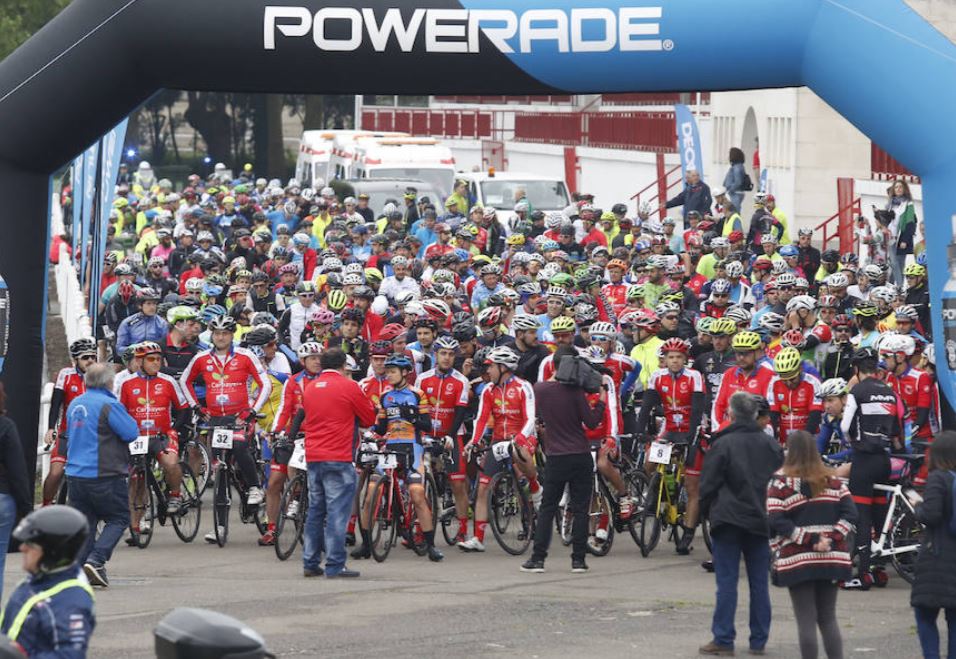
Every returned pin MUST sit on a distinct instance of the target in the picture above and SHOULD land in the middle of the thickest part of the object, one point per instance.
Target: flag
(688, 141)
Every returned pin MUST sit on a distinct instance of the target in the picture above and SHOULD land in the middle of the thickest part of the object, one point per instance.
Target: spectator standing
(733, 491)
(902, 227)
(15, 497)
(734, 178)
(565, 411)
(694, 197)
(811, 513)
(334, 407)
(97, 463)
(935, 585)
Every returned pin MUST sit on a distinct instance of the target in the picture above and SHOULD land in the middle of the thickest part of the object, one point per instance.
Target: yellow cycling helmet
(608, 216)
(787, 363)
(562, 324)
(723, 327)
(744, 341)
(914, 270)
(481, 259)
(516, 239)
(373, 274)
(337, 300)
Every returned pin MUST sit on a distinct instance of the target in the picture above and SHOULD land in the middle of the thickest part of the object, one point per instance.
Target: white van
(500, 190)
(421, 158)
(312, 160)
(346, 144)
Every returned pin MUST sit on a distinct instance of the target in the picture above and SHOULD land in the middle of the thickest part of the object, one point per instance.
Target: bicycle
(196, 454)
(665, 500)
(437, 481)
(392, 510)
(226, 475)
(150, 496)
(605, 507)
(293, 506)
(510, 513)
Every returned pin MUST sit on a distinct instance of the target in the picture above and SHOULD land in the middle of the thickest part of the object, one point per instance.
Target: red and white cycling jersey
(610, 426)
(227, 381)
(445, 392)
(510, 410)
(291, 399)
(374, 388)
(546, 369)
(794, 404)
(70, 382)
(620, 366)
(915, 388)
(150, 399)
(616, 294)
(677, 392)
(734, 380)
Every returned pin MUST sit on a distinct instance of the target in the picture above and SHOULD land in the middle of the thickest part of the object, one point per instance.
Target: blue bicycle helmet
(789, 250)
(399, 361)
(212, 311)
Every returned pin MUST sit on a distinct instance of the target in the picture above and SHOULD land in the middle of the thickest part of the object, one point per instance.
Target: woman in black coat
(935, 586)
(16, 500)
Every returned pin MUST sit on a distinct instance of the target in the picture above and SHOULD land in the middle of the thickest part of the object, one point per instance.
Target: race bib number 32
(222, 438)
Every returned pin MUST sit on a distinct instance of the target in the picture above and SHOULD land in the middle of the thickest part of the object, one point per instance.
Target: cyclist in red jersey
(681, 392)
(604, 336)
(506, 408)
(562, 328)
(750, 375)
(226, 372)
(616, 291)
(152, 398)
(291, 403)
(914, 388)
(376, 384)
(794, 396)
(447, 392)
(69, 385)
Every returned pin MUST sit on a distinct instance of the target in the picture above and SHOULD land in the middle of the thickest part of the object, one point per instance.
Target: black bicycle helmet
(60, 531)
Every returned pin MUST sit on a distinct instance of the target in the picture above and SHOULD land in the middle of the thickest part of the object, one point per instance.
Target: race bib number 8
(222, 438)
(389, 461)
(660, 453)
(501, 451)
(139, 446)
(297, 461)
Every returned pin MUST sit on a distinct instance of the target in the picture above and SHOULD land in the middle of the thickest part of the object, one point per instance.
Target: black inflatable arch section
(875, 61)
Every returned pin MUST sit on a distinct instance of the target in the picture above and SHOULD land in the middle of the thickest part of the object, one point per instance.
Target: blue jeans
(331, 490)
(729, 543)
(106, 500)
(8, 515)
(929, 634)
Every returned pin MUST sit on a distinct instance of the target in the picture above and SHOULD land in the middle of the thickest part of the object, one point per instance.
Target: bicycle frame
(675, 466)
(878, 548)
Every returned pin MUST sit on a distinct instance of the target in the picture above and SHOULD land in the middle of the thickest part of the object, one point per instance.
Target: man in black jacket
(694, 197)
(733, 492)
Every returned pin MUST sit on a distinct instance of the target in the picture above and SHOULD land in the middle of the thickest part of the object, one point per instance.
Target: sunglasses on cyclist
(86, 358)
(719, 295)
(669, 317)
(307, 295)
(153, 358)
(599, 337)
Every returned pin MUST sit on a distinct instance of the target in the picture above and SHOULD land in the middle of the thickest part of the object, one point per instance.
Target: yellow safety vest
(24, 611)
(728, 227)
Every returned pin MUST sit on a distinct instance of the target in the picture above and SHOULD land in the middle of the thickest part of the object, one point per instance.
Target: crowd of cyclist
(449, 312)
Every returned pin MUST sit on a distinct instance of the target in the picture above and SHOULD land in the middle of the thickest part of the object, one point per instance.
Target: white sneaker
(211, 536)
(471, 544)
(255, 496)
(292, 510)
(172, 505)
(601, 535)
(144, 525)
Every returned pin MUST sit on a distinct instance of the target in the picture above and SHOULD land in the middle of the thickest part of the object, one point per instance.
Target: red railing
(653, 98)
(549, 127)
(645, 131)
(884, 167)
(831, 226)
(454, 124)
(660, 186)
(506, 100)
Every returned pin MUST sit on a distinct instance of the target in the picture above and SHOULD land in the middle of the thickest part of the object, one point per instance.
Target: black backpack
(747, 184)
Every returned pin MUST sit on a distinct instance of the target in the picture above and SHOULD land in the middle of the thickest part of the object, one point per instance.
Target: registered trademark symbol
(668, 44)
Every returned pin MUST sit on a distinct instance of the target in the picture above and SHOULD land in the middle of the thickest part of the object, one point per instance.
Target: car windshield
(439, 179)
(543, 195)
(380, 191)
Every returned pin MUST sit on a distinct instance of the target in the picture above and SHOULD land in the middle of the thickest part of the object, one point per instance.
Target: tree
(19, 19)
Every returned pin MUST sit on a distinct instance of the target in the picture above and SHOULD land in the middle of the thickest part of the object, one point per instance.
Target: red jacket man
(332, 404)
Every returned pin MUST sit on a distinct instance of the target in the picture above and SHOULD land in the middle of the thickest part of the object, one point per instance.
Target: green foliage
(19, 19)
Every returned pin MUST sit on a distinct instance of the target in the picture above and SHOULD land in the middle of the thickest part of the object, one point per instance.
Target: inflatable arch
(877, 62)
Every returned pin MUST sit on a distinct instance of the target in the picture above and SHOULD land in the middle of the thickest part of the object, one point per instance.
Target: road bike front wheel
(222, 502)
(289, 525)
(905, 536)
(510, 515)
(144, 508)
(650, 523)
(186, 520)
(382, 526)
(600, 518)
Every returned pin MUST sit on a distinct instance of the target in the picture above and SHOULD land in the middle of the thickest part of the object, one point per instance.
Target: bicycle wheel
(144, 507)
(601, 516)
(564, 520)
(447, 512)
(186, 521)
(221, 503)
(705, 531)
(198, 454)
(381, 522)
(636, 482)
(904, 543)
(509, 513)
(650, 531)
(431, 499)
(681, 532)
(288, 531)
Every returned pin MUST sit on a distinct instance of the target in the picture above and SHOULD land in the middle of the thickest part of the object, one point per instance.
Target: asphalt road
(471, 604)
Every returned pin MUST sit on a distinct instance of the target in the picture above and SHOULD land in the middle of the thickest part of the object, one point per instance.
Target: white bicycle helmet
(833, 387)
(309, 349)
(503, 356)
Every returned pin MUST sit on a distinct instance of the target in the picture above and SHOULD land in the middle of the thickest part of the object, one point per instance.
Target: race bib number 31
(222, 438)
(139, 446)
(660, 453)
